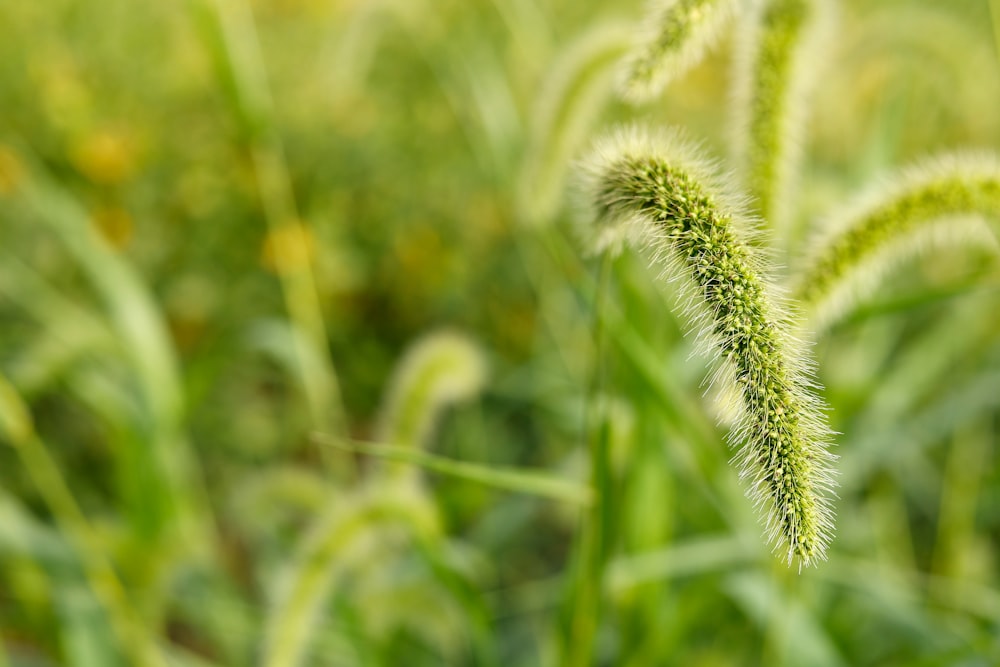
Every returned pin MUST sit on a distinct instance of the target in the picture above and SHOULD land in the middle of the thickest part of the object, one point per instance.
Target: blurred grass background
(223, 224)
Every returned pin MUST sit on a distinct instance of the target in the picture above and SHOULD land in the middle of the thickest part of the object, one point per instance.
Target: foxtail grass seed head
(570, 99)
(654, 190)
(340, 540)
(674, 37)
(441, 369)
(777, 60)
(941, 201)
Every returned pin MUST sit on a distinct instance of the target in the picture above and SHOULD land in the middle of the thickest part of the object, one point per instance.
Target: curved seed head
(674, 37)
(440, 369)
(654, 191)
(941, 201)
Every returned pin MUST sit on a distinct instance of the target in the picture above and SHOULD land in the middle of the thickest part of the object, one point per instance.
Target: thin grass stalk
(324, 557)
(503, 478)
(965, 476)
(673, 37)
(232, 37)
(995, 14)
(704, 554)
(570, 98)
(137, 323)
(592, 552)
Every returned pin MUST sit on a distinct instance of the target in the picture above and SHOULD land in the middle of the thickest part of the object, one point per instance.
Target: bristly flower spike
(940, 201)
(674, 37)
(441, 369)
(654, 191)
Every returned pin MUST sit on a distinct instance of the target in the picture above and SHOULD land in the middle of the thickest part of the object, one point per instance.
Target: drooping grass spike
(654, 190)
(571, 97)
(674, 37)
(442, 368)
(777, 60)
(937, 202)
(439, 370)
(332, 549)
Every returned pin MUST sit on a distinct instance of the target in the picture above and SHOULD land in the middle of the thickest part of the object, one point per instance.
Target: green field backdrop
(307, 360)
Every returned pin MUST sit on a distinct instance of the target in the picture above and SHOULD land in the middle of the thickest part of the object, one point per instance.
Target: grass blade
(505, 479)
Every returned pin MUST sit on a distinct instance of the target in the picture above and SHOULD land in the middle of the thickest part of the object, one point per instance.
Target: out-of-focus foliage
(223, 223)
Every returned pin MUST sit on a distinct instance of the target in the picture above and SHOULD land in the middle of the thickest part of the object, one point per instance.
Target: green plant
(656, 190)
(776, 66)
(440, 370)
(675, 37)
(229, 439)
(943, 201)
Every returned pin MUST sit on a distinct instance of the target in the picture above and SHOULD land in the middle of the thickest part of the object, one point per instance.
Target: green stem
(140, 328)
(505, 478)
(595, 538)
